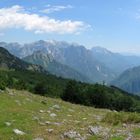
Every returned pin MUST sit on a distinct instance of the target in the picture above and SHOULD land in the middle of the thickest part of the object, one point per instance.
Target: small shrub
(121, 117)
(2, 86)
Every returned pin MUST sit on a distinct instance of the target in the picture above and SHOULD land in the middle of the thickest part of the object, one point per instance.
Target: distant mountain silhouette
(96, 64)
(129, 80)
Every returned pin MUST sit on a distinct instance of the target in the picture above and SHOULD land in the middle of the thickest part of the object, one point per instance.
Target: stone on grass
(115, 111)
(48, 111)
(50, 130)
(53, 115)
(29, 100)
(71, 110)
(42, 123)
(38, 138)
(1, 91)
(11, 93)
(130, 137)
(84, 118)
(69, 115)
(36, 118)
(56, 107)
(18, 102)
(94, 130)
(124, 125)
(41, 111)
(7, 123)
(18, 132)
(48, 122)
(73, 135)
(57, 123)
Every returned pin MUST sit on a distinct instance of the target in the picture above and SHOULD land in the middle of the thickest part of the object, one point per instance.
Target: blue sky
(113, 24)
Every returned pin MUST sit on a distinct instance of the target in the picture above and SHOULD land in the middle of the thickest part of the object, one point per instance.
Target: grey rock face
(73, 135)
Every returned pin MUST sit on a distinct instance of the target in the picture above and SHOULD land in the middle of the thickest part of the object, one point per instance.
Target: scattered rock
(77, 121)
(41, 111)
(130, 137)
(9, 92)
(69, 115)
(42, 123)
(57, 123)
(7, 123)
(84, 118)
(71, 110)
(1, 91)
(124, 125)
(29, 100)
(48, 122)
(56, 107)
(94, 130)
(50, 130)
(53, 115)
(48, 111)
(72, 135)
(35, 118)
(18, 102)
(18, 132)
(115, 111)
(38, 138)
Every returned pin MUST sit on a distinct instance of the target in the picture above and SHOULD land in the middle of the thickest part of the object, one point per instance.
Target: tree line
(96, 95)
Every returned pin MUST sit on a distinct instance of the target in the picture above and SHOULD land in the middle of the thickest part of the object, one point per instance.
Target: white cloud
(17, 17)
(51, 9)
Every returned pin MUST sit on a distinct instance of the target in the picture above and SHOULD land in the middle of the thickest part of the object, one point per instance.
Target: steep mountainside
(82, 60)
(48, 63)
(129, 80)
(115, 61)
(28, 49)
(73, 55)
(9, 61)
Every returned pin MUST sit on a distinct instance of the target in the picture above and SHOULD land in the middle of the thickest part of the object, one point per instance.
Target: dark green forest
(96, 95)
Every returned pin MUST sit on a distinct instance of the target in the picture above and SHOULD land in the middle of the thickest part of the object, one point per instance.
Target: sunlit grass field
(48, 119)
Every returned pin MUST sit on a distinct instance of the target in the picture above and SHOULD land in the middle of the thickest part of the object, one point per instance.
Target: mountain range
(115, 61)
(74, 56)
(10, 62)
(49, 64)
(71, 60)
(129, 80)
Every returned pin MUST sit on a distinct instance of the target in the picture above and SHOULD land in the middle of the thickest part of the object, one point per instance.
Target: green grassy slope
(31, 114)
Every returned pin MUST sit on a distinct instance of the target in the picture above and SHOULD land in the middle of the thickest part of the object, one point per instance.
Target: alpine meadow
(69, 70)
